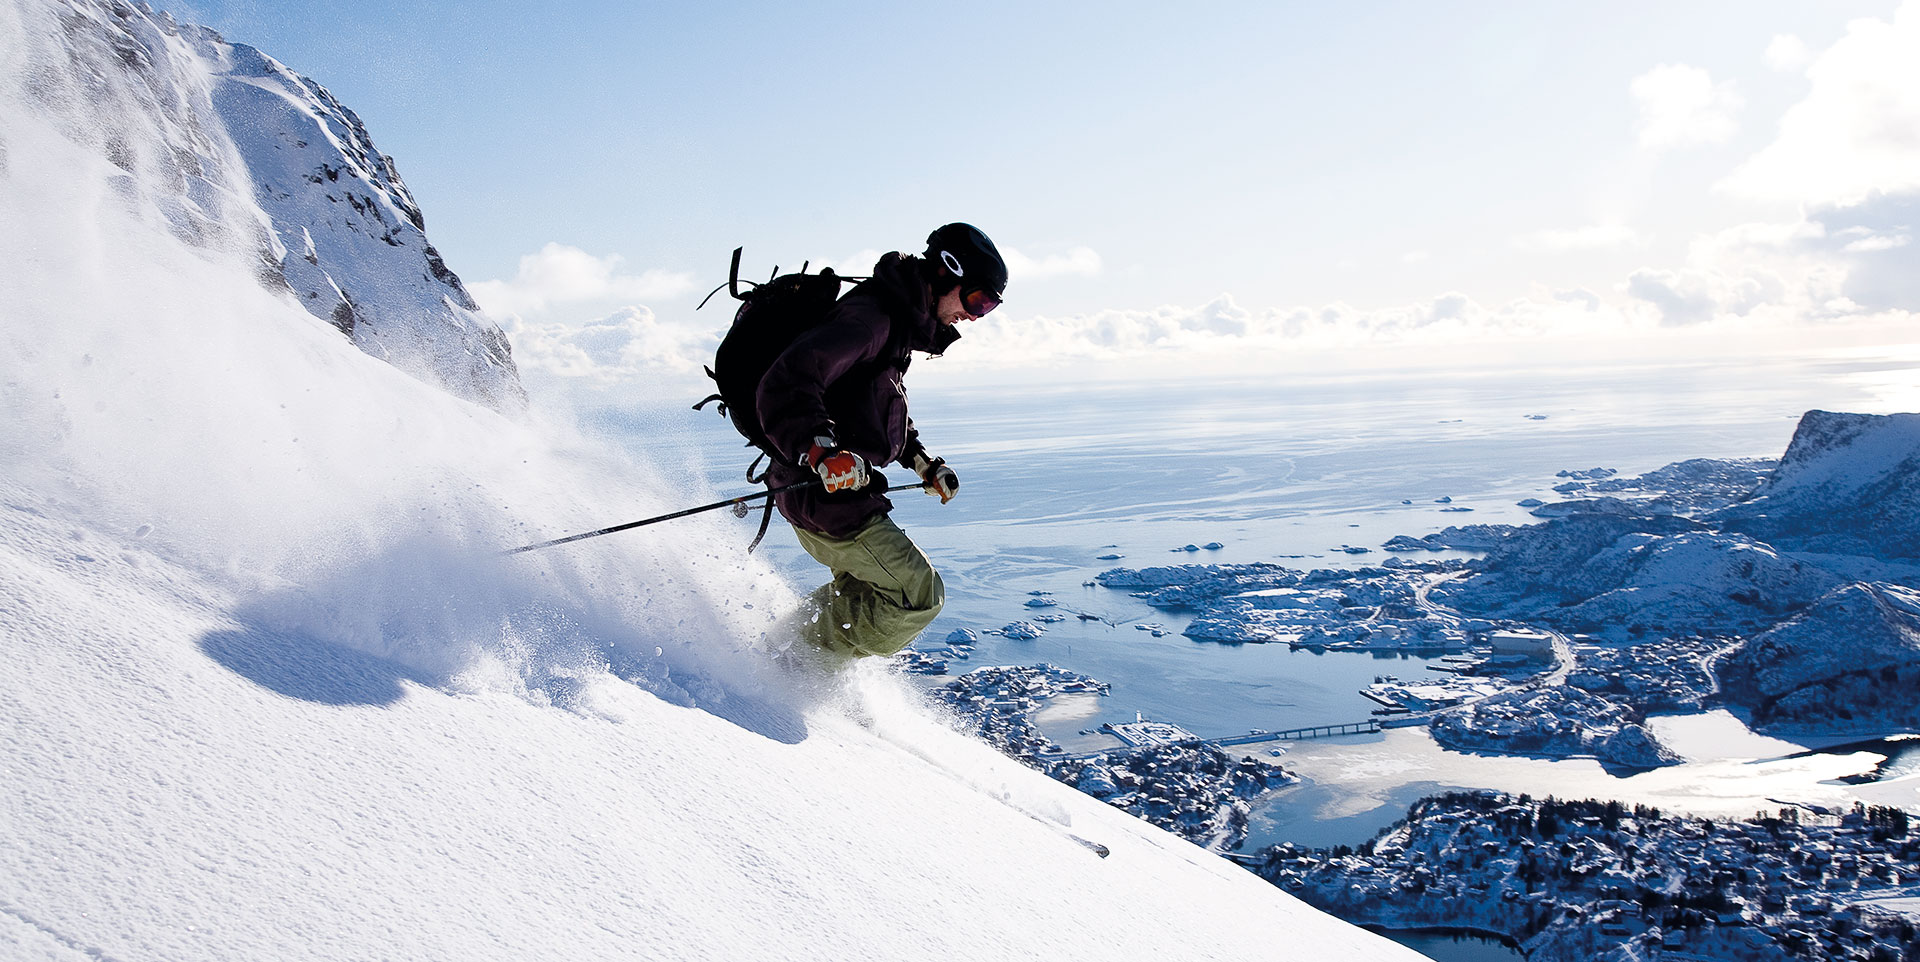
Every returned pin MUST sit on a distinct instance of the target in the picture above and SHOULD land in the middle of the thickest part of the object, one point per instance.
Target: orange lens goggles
(979, 303)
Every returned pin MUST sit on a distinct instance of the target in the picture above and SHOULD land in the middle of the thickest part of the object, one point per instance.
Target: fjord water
(1056, 475)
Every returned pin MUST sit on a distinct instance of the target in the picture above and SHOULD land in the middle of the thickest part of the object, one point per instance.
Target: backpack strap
(702, 405)
(732, 285)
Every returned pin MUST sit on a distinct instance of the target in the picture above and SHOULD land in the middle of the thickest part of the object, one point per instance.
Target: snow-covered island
(1578, 881)
(1374, 608)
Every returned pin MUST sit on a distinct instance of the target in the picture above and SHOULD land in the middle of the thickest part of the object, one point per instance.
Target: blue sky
(1161, 175)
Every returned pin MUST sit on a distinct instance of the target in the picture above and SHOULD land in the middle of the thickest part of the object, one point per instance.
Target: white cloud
(1594, 237)
(1416, 257)
(559, 274)
(1681, 106)
(1875, 243)
(1080, 260)
(1692, 296)
(1583, 297)
(1787, 52)
(1872, 241)
(1857, 131)
(1833, 264)
(627, 344)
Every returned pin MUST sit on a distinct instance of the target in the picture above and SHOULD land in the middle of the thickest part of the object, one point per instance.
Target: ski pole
(739, 502)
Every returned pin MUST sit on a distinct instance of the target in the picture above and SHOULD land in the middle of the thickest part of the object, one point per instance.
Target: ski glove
(839, 469)
(938, 479)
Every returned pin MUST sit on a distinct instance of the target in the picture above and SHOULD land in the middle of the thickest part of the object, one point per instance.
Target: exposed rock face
(1851, 661)
(1848, 484)
(236, 154)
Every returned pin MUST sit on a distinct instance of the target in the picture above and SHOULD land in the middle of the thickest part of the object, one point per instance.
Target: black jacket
(844, 379)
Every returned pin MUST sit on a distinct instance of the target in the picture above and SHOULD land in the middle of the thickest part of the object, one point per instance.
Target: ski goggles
(979, 302)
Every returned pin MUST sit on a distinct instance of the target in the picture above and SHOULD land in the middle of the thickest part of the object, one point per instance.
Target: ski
(1090, 845)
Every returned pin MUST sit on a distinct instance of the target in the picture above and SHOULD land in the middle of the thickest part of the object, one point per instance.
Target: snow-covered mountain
(1848, 484)
(1797, 675)
(229, 150)
(272, 691)
(1613, 571)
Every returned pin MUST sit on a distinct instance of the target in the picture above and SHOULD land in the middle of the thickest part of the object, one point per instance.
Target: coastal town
(1572, 881)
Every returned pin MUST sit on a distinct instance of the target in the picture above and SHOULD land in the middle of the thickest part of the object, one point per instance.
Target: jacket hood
(903, 278)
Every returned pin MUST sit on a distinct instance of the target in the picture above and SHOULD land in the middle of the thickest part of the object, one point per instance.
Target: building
(1531, 645)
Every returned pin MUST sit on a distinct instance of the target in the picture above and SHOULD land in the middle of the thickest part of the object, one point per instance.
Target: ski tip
(1092, 846)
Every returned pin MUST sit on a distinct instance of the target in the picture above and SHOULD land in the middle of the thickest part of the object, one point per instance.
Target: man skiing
(835, 405)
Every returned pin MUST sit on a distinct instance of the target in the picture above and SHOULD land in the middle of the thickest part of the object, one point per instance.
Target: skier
(836, 405)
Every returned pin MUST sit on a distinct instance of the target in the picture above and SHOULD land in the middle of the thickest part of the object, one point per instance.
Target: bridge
(1368, 727)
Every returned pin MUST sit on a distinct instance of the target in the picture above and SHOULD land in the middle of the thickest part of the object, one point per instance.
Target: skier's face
(951, 309)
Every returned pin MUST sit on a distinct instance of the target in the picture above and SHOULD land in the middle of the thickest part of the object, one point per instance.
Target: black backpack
(771, 316)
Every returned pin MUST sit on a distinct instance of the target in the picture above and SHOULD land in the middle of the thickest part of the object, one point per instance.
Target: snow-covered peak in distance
(233, 151)
(1848, 483)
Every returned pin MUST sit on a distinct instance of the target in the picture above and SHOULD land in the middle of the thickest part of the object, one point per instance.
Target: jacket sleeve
(913, 446)
(792, 397)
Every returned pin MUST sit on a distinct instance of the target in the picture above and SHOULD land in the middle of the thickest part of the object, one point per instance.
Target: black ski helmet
(967, 254)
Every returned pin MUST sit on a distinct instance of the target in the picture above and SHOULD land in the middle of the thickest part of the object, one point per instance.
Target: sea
(1310, 472)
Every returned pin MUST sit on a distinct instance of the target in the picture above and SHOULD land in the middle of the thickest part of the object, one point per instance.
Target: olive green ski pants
(884, 591)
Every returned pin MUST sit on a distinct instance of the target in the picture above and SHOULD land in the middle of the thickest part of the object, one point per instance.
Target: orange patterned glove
(839, 469)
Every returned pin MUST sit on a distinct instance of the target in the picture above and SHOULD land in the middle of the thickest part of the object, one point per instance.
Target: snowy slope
(271, 691)
(185, 783)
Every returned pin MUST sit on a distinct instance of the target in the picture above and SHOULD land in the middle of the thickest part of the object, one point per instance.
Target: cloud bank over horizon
(1844, 156)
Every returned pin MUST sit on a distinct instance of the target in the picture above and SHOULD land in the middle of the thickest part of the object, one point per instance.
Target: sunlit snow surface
(1730, 772)
(272, 693)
